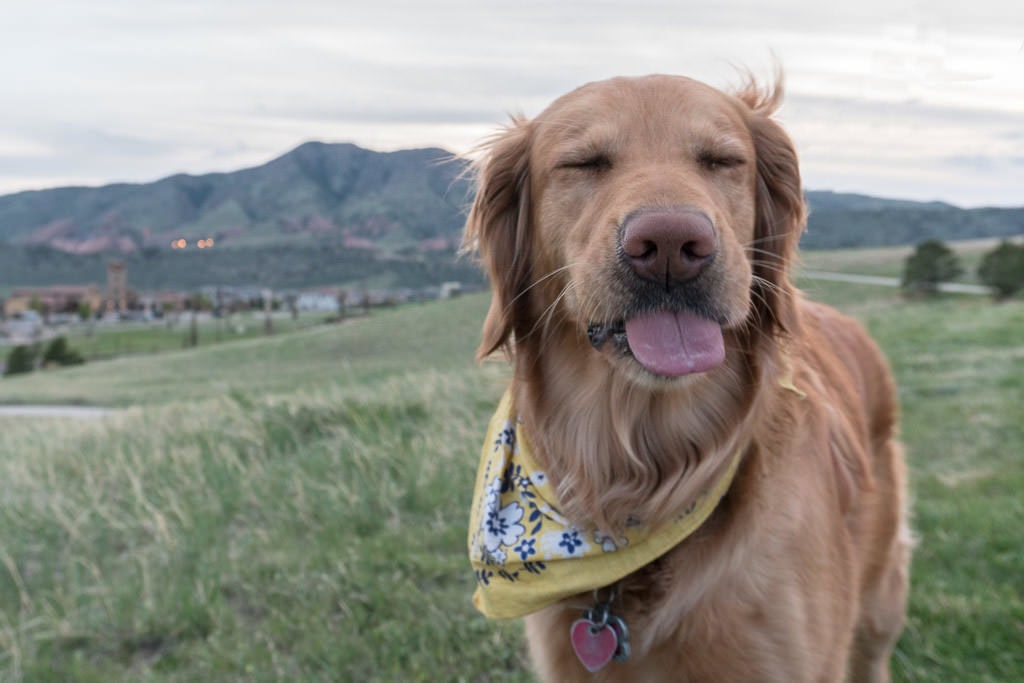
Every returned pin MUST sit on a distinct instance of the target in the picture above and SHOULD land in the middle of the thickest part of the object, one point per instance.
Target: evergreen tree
(1002, 269)
(931, 264)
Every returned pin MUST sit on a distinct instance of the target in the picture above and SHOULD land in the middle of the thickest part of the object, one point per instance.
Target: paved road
(953, 287)
(73, 412)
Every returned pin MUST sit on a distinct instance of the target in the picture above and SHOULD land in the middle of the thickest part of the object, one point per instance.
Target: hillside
(318, 193)
(851, 220)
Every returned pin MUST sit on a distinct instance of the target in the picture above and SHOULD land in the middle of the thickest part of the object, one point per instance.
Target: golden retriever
(638, 235)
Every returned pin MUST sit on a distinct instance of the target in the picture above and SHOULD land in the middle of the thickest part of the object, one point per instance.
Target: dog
(638, 235)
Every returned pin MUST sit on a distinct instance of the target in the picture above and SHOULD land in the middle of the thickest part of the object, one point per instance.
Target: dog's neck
(618, 450)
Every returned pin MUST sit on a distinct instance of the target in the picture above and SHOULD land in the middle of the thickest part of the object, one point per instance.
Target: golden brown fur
(801, 572)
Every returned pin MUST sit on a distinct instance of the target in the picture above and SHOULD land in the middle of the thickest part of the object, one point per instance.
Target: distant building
(233, 297)
(22, 328)
(55, 299)
(450, 290)
(324, 300)
(164, 302)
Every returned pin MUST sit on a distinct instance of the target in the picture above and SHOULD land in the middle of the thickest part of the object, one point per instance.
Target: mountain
(852, 220)
(340, 196)
(336, 193)
(827, 201)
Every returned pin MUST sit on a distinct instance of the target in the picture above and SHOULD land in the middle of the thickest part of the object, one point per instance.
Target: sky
(894, 98)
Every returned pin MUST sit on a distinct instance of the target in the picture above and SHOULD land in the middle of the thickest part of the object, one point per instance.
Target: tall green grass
(294, 509)
(306, 536)
(960, 367)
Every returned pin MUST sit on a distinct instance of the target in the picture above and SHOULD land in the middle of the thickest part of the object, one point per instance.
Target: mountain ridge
(348, 192)
(345, 196)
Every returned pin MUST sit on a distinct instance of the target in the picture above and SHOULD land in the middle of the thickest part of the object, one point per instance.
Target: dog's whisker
(540, 281)
(767, 284)
(762, 239)
(544, 320)
(767, 252)
(509, 306)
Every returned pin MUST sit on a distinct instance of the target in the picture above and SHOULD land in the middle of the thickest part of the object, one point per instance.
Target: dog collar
(527, 556)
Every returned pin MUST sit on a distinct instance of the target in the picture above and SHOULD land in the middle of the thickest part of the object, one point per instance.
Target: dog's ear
(781, 211)
(498, 227)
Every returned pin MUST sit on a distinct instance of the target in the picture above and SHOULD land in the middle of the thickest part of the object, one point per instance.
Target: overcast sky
(918, 100)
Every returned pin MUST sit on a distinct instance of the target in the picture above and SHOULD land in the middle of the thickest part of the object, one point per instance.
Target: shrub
(931, 264)
(1002, 269)
(58, 352)
(21, 359)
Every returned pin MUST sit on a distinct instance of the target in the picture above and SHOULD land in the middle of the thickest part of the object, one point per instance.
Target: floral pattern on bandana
(518, 523)
(527, 555)
(501, 526)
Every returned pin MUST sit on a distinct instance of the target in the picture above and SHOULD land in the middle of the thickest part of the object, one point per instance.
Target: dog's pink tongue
(674, 344)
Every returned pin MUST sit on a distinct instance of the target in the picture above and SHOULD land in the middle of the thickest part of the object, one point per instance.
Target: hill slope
(337, 192)
(850, 220)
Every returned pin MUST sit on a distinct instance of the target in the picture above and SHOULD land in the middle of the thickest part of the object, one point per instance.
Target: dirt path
(952, 287)
(73, 412)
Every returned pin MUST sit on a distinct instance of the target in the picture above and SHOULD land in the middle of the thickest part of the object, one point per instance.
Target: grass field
(106, 341)
(294, 508)
(125, 339)
(353, 353)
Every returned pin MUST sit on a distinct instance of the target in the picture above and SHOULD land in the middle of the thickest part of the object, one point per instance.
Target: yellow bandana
(527, 556)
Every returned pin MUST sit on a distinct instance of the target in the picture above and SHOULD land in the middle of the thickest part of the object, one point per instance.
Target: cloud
(976, 162)
(113, 90)
(23, 147)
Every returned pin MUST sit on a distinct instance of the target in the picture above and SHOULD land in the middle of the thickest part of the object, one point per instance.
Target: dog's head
(648, 220)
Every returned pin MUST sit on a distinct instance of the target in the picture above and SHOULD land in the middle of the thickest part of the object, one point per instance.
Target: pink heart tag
(595, 646)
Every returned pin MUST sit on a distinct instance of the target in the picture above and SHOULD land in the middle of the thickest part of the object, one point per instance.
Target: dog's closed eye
(591, 161)
(717, 161)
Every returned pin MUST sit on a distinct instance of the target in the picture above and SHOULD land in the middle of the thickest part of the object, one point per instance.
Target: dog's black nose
(668, 246)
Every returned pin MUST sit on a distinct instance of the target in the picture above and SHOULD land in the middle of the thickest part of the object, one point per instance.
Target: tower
(117, 285)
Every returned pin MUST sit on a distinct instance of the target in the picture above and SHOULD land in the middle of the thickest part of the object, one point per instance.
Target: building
(324, 300)
(450, 290)
(55, 299)
(163, 302)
